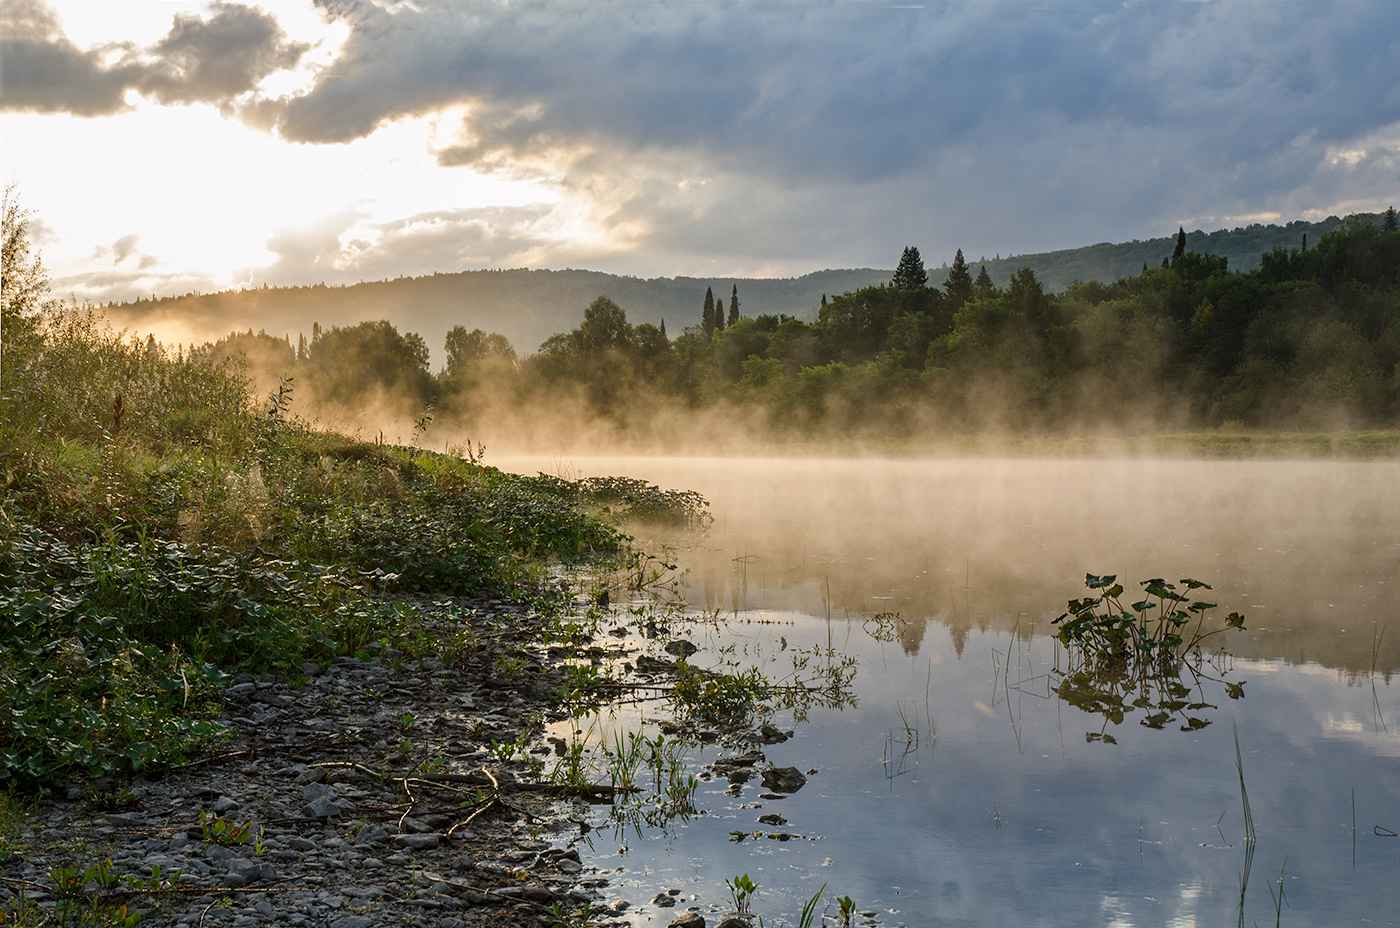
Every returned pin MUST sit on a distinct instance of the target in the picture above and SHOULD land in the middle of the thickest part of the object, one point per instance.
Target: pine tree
(708, 319)
(1180, 243)
(910, 274)
(958, 286)
(1305, 241)
(983, 286)
(734, 305)
(663, 328)
(1389, 221)
(823, 299)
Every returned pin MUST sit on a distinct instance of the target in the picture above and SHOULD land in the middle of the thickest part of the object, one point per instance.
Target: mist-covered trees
(465, 348)
(1309, 340)
(346, 365)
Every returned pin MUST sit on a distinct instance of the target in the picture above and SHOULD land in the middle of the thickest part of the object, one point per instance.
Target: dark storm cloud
(201, 60)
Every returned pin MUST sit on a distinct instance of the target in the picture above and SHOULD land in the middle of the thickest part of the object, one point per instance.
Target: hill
(527, 306)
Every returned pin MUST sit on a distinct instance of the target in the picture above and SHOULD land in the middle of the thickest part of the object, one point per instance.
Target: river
(963, 787)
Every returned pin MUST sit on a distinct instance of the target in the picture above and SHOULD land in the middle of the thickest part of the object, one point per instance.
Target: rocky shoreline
(362, 793)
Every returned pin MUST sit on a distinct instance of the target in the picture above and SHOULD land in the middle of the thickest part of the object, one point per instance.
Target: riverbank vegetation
(1301, 355)
(162, 527)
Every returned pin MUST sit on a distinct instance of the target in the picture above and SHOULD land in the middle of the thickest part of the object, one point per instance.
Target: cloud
(220, 58)
(772, 136)
(213, 60)
(1071, 113)
(124, 248)
(43, 71)
(346, 247)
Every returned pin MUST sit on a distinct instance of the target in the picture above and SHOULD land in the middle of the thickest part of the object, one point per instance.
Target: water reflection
(1308, 551)
(961, 789)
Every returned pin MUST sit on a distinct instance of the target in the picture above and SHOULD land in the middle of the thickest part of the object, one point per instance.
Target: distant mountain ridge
(527, 306)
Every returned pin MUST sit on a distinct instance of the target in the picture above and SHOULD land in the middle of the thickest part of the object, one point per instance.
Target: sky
(166, 147)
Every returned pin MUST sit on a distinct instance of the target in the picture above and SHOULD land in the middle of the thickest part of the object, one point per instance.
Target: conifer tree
(707, 321)
(958, 285)
(1389, 221)
(983, 287)
(734, 305)
(910, 274)
(1180, 243)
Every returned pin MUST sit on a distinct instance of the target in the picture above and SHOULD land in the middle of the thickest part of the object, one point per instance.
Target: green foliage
(344, 364)
(1154, 629)
(1126, 658)
(742, 890)
(466, 348)
(722, 699)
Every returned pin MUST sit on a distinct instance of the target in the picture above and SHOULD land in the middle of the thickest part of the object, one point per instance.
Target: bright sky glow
(172, 146)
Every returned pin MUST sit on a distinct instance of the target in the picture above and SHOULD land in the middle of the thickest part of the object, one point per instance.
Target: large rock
(784, 779)
(688, 920)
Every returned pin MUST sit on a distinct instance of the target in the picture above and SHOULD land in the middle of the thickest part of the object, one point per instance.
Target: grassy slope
(152, 544)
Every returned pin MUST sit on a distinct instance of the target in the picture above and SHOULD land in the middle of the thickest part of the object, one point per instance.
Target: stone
(418, 842)
(688, 920)
(784, 779)
(663, 900)
(681, 648)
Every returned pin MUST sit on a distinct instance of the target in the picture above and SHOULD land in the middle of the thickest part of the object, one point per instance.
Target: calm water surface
(961, 790)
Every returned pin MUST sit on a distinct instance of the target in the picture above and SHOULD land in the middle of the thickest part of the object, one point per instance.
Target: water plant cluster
(1125, 658)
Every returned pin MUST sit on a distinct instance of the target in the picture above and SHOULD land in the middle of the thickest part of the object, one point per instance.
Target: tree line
(1308, 340)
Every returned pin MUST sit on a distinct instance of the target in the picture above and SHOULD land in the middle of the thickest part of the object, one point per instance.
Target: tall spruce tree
(707, 321)
(958, 285)
(910, 274)
(1389, 221)
(1180, 248)
(734, 305)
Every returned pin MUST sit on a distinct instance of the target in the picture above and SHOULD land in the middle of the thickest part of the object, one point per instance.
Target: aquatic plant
(1153, 629)
(741, 890)
(1126, 658)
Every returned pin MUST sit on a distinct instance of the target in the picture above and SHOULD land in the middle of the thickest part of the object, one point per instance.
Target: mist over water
(960, 787)
(1309, 552)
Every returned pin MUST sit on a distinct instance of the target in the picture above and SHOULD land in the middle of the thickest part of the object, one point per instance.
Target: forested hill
(527, 306)
(1107, 262)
